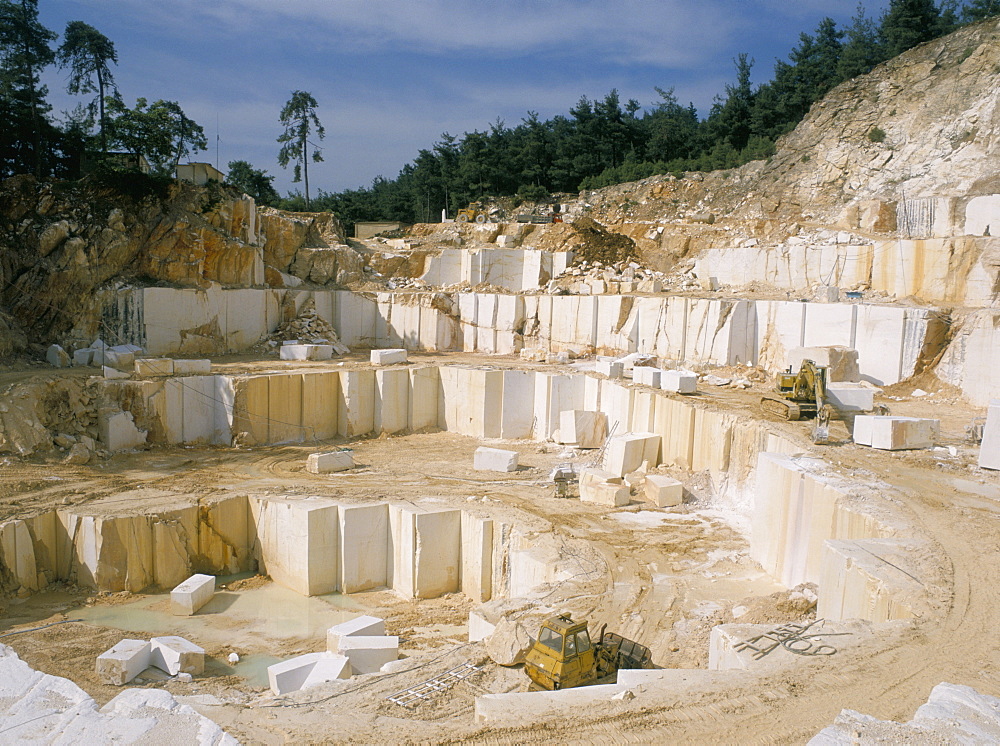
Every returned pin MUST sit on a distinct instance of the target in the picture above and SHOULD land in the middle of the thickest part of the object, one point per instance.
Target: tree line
(607, 141)
(597, 143)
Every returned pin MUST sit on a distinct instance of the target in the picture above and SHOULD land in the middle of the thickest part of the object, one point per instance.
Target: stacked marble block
(364, 643)
(128, 658)
(165, 366)
(316, 546)
(890, 433)
(806, 529)
(626, 453)
(601, 487)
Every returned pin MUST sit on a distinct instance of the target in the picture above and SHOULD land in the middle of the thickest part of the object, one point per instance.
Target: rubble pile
(309, 327)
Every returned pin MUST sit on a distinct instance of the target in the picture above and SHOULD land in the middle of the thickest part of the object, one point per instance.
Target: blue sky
(391, 75)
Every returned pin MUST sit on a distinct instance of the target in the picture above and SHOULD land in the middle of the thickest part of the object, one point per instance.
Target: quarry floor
(703, 556)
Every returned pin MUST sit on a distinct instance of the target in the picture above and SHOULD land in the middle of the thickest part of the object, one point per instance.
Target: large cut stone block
(369, 654)
(356, 408)
(117, 431)
(872, 579)
(320, 397)
(298, 673)
(150, 367)
(392, 405)
(597, 486)
(679, 381)
(424, 398)
(766, 647)
(176, 655)
(610, 368)
(626, 453)
(518, 416)
(663, 492)
(364, 538)
(850, 397)
(842, 362)
(427, 549)
(331, 461)
(895, 433)
(191, 367)
(582, 428)
(477, 557)
(388, 357)
(495, 459)
(192, 594)
(295, 352)
(123, 662)
(989, 449)
(364, 626)
(298, 543)
(646, 375)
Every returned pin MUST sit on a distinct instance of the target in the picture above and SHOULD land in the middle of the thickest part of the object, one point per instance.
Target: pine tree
(87, 53)
(907, 23)
(977, 10)
(300, 121)
(24, 53)
(861, 51)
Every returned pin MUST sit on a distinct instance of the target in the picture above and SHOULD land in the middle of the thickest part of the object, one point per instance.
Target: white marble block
(989, 449)
(610, 368)
(903, 433)
(368, 653)
(841, 362)
(364, 544)
(328, 462)
(646, 375)
(850, 397)
(598, 486)
(582, 428)
(363, 626)
(153, 366)
(298, 540)
(83, 357)
(192, 594)
(388, 357)
(294, 352)
(307, 670)
(329, 667)
(479, 627)
(494, 459)
(191, 367)
(117, 431)
(176, 655)
(123, 662)
(663, 492)
(626, 453)
(679, 381)
(57, 357)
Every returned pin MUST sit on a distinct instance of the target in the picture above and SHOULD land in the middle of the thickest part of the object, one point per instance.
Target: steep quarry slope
(61, 242)
(938, 106)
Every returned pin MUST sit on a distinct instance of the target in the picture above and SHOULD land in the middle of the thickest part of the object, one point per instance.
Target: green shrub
(876, 134)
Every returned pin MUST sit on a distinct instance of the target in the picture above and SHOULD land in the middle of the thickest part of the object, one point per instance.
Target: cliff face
(925, 124)
(60, 242)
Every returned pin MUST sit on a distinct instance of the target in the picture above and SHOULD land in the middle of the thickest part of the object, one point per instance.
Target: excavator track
(783, 408)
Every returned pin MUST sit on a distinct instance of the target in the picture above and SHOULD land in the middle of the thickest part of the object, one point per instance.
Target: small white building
(199, 173)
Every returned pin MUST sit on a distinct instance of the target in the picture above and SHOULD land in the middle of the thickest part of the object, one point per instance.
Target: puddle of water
(246, 619)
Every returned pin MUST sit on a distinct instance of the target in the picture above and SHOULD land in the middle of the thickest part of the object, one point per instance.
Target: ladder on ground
(427, 689)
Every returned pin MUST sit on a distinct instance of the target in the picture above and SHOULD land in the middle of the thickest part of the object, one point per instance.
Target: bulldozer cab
(562, 656)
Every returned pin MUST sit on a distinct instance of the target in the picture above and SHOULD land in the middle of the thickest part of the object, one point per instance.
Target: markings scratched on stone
(794, 638)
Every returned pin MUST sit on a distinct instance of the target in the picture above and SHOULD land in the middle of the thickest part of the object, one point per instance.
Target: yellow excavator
(564, 656)
(474, 213)
(801, 396)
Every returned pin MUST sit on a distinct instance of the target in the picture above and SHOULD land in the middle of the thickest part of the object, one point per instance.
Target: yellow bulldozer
(564, 656)
(474, 213)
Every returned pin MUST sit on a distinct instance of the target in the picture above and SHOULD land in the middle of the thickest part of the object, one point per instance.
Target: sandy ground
(662, 578)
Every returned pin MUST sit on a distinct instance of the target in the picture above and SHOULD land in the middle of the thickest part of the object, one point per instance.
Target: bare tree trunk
(305, 170)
